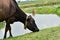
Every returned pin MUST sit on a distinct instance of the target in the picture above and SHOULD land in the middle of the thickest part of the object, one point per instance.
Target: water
(42, 20)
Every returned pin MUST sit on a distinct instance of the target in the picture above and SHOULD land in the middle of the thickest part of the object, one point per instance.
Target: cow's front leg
(6, 29)
(10, 30)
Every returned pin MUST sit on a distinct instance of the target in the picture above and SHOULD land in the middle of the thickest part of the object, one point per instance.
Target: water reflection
(42, 21)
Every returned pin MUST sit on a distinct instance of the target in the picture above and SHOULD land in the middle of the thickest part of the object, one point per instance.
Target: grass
(46, 34)
(43, 10)
(38, 3)
(1, 25)
(47, 6)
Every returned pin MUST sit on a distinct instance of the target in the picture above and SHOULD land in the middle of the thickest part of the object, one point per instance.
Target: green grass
(41, 3)
(47, 6)
(1, 25)
(43, 10)
(46, 34)
(37, 3)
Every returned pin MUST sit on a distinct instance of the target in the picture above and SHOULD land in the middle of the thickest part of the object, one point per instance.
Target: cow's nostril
(37, 30)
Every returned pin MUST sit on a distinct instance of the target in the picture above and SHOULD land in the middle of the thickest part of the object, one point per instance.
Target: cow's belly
(11, 20)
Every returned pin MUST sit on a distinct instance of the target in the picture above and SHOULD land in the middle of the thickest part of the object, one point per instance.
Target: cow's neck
(20, 16)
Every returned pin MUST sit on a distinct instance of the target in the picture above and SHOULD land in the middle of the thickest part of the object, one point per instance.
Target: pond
(42, 20)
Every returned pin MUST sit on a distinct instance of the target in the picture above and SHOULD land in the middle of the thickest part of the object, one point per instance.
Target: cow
(11, 12)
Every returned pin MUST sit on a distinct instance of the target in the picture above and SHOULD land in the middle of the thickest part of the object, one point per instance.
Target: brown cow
(10, 12)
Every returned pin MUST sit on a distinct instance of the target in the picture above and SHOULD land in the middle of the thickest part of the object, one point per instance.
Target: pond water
(42, 20)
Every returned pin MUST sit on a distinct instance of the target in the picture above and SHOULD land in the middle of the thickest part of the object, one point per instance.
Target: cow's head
(30, 24)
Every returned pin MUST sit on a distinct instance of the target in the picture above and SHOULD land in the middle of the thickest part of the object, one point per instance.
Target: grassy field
(41, 6)
(46, 34)
(38, 3)
(43, 10)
